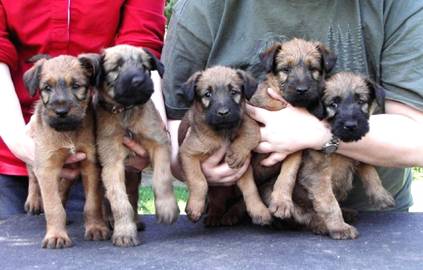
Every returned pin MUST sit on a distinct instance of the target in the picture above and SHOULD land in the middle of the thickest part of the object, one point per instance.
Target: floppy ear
(155, 63)
(37, 57)
(319, 110)
(249, 85)
(267, 58)
(92, 64)
(31, 77)
(187, 90)
(377, 92)
(328, 57)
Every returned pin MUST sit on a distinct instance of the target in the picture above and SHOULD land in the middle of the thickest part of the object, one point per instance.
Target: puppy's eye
(333, 105)
(76, 86)
(234, 93)
(286, 69)
(47, 88)
(362, 101)
(208, 94)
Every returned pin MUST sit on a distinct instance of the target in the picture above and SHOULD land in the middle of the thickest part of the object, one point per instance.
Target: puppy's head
(349, 100)
(126, 74)
(300, 68)
(64, 83)
(219, 94)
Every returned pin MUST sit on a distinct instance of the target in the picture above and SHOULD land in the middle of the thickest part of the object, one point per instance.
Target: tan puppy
(217, 119)
(64, 125)
(123, 109)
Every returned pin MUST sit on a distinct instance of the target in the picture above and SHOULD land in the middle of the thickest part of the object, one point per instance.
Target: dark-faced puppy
(124, 108)
(64, 124)
(217, 119)
(326, 180)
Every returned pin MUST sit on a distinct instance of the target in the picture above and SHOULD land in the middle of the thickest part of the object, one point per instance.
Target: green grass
(146, 199)
(418, 174)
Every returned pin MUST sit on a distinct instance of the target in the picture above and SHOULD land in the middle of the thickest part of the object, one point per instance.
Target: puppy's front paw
(235, 160)
(195, 210)
(167, 210)
(96, 232)
(212, 220)
(260, 215)
(34, 205)
(57, 240)
(125, 236)
(230, 219)
(281, 207)
(382, 199)
(344, 233)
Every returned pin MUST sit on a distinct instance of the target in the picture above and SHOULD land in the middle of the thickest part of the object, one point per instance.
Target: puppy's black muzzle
(133, 87)
(350, 123)
(223, 117)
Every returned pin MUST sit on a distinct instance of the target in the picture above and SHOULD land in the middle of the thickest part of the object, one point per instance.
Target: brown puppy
(64, 124)
(324, 180)
(123, 109)
(217, 119)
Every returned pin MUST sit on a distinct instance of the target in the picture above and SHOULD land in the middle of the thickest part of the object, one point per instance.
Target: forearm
(12, 123)
(394, 139)
(173, 126)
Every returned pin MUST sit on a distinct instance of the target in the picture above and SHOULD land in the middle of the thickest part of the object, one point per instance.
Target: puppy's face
(300, 67)
(350, 100)
(126, 74)
(64, 83)
(219, 95)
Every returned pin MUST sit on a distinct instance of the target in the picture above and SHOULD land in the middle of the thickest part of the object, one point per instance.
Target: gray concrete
(387, 241)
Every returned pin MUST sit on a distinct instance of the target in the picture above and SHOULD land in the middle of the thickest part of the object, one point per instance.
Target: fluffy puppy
(124, 108)
(217, 119)
(64, 124)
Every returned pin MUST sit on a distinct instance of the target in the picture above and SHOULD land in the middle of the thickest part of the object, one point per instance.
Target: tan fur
(52, 149)
(202, 141)
(146, 127)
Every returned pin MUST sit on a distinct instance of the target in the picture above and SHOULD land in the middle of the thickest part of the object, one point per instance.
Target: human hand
(286, 131)
(140, 160)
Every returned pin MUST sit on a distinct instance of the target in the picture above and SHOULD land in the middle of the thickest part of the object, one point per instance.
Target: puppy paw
(34, 205)
(125, 236)
(212, 220)
(230, 219)
(344, 233)
(56, 240)
(261, 216)
(96, 232)
(382, 199)
(235, 160)
(167, 210)
(281, 207)
(195, 210)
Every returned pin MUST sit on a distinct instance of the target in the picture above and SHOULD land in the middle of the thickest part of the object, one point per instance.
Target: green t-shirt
(382, 39)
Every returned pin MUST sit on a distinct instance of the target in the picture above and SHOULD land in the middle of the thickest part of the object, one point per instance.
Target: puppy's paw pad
(56, 241)
(345, 233)
(281, 208)
(97, 233)
(235, 160)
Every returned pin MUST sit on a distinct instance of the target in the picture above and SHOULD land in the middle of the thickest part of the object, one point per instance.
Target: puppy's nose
(350, 125)
(223, 112)
(301, 89)
(61, 111)
(137, 81)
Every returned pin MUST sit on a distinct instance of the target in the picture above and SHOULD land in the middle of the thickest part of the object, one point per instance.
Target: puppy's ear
(267, 58)
(249, 85)
(319, 111)
(377, 93)
(155, 63)
(92, 64)
(328, 57)
(187, 90)
(31, 77)
(37, 57)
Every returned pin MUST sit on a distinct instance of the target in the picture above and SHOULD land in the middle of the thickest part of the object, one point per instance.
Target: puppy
(64, 125)
(124, 108)
(323, 180)
(217, 119)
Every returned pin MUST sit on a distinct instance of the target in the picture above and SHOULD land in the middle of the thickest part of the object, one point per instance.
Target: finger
(134, 146)
(257, 113)
(216, 158)
(273, 159)
(76, 158)
(69, 174)
(275, 95)
(264, 148)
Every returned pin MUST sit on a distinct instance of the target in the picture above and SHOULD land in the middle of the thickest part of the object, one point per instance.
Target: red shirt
(71, 27)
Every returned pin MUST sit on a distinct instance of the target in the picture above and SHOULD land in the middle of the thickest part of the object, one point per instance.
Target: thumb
(258, 114)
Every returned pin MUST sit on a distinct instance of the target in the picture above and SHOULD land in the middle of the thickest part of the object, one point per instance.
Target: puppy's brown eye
(208, 94)
(286, 69)
(76, 86)
(47, 88)
(233, 92)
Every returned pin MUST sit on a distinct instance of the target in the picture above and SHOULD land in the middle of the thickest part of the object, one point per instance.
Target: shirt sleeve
(186, 50)
(8, 54)
(402, 53)
(143, 24)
